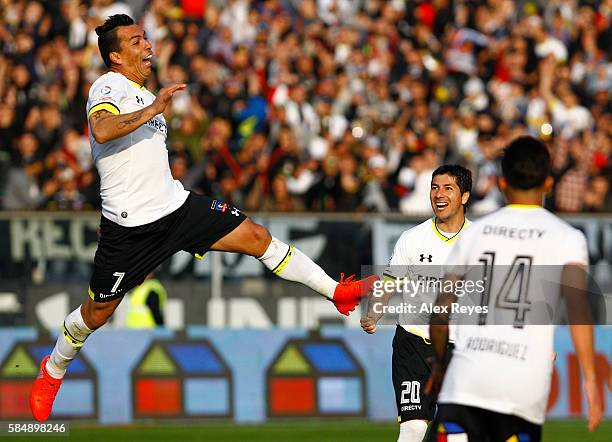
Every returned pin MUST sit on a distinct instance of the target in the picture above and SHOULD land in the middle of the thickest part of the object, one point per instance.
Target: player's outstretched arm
(574, 283)
(106, 126)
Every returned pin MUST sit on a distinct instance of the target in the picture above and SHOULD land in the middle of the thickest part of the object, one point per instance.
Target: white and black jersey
(420, 254)
(136, 185)
(505, 363)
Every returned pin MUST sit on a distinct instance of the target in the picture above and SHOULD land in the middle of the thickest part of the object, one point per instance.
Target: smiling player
(419, 254)
(147, 216)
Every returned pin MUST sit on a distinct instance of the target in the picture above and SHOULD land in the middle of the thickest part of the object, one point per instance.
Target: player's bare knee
(261, 239)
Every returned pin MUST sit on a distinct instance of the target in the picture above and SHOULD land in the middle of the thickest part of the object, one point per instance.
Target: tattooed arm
(106, 126)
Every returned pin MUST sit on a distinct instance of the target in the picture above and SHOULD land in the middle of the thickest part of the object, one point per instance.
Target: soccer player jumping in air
(147, 216)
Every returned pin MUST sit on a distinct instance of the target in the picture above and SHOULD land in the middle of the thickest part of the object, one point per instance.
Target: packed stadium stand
(343, 105)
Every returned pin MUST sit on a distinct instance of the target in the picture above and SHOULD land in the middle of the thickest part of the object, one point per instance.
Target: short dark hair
(526, 163)
(463, 176)
(107, 35)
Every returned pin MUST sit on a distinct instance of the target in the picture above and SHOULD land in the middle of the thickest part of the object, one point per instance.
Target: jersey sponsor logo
(423, 257)
(235, 212)
(513, 232)
(157, 125)
(139, 100)
(105, 295)
(427, 279)
(106, 90)
(410, 407)
(219, 206)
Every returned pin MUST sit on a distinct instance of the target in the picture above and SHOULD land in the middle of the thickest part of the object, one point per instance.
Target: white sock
(412, 431)
(291, 264)
(70, 341)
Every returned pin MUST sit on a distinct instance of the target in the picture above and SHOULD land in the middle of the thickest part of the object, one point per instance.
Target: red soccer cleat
(43, 393)
(349, 293)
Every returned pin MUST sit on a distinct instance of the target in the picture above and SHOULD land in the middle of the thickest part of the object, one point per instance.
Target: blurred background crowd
(319, 105)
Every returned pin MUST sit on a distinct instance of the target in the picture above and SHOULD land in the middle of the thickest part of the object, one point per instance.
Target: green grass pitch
(299, 431)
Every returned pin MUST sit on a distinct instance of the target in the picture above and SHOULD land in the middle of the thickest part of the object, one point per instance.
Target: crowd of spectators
(319, 105)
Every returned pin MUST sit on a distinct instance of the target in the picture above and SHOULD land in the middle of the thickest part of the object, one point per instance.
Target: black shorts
(126, 255)
(480, 425)
(410, 371)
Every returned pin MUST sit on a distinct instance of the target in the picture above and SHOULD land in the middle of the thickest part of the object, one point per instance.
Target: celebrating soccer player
(147, 216)
(497, 384)
(418, 255)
